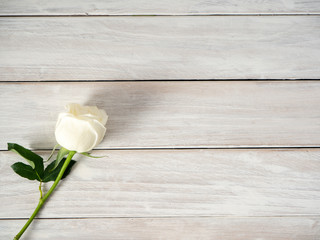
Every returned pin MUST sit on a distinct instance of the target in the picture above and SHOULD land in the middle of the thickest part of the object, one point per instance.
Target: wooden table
(214, 117)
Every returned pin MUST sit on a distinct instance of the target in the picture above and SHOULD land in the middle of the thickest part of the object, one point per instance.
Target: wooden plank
(142, 7)
(169, 114)
(147, 48)
(162, 183)
(306, 228)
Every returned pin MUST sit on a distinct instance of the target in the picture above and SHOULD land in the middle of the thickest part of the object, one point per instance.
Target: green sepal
(51, 173)
(34, 160)
(25, 171)
(62, 152)
(52, 152)
(89, 155)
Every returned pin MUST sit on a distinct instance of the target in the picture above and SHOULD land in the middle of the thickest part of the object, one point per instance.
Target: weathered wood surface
(147, 48)
(169, 114)
(153, 7)
(207, 228)
(167, 194)
(162, 183)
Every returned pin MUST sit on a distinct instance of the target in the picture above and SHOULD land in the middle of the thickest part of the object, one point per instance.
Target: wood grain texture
(148, 48)
(141, 7)
(169, 114)
(162, 183)
(306, 228)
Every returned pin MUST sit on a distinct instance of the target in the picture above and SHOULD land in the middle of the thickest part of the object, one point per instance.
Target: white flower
(81, 128)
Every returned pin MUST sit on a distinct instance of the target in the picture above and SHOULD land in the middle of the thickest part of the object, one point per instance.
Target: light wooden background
(214, 117)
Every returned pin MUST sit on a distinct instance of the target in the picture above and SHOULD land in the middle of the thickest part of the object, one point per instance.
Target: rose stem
(42, 200)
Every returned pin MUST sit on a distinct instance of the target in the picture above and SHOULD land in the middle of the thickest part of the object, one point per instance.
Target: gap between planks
(191, 148)
(161, 80)
(147, 7)
(167, 217)
(164, 15)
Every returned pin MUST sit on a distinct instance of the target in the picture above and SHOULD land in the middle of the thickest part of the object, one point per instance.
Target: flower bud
(81, 128)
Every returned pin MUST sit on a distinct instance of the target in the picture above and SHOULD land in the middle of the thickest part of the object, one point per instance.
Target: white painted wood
(293, 228)
(149, 183)
(137, 48)
(169, 114)
(140, 7)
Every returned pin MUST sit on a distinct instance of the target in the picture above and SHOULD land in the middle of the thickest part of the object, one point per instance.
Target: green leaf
(89, 155)
(34, 160)
(62, 152)
(51, 173)
(25, 171)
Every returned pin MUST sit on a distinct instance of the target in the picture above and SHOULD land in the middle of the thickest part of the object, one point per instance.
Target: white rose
(81, 128)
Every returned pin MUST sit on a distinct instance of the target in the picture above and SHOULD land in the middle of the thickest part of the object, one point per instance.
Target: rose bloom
(81, 128)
